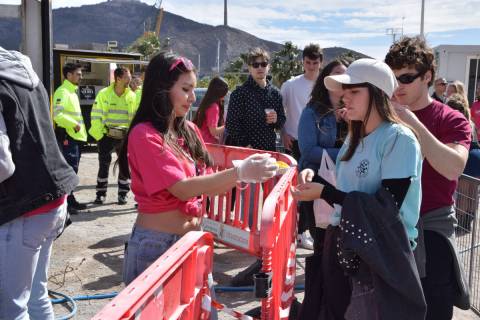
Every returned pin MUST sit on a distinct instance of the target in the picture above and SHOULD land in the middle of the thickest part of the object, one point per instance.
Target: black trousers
(295, 152)
(105, 148)
(327, 288)
(439, 286)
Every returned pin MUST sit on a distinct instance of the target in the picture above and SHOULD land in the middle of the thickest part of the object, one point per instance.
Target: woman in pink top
(168, 163)
(209, 117)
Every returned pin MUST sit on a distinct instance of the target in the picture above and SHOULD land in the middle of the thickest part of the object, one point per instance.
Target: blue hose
(80, 298)
(71, 300)
(65, 299)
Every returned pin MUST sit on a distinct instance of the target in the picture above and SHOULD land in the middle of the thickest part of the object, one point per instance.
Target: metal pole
(47, 53)
(473, 245)
(198, 67)
(422, 19)
(218, 56)
(225, 20)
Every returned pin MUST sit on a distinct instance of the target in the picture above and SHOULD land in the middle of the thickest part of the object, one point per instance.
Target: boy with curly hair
(445, 137)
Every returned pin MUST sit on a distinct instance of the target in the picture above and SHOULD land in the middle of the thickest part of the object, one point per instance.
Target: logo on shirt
(362, 169)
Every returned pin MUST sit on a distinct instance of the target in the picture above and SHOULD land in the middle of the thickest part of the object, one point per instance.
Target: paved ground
(87, 258)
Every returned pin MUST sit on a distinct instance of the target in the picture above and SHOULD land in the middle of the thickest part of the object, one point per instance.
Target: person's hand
(307, 191)
(77, 128)
(271, 117)
(405, 114)
(287, 141)
(341, 114)
(306, 175)
(256, 168)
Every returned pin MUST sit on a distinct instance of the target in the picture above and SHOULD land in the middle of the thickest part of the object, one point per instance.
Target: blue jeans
(25, 248)
(143, 248)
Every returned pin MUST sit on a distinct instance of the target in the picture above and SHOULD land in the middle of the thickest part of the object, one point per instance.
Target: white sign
(226, 233)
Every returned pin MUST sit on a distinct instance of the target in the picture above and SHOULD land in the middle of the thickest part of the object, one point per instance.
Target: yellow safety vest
(110, 110)
(67, 112)
(138, 94)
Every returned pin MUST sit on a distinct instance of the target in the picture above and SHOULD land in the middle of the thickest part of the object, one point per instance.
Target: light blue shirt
(391, 151)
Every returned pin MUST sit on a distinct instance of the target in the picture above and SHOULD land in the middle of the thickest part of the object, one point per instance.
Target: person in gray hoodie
(34, 182)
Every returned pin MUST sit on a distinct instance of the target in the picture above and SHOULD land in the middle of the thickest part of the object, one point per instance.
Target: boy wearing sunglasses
(255, 112)
(255, 109)
(445, 137)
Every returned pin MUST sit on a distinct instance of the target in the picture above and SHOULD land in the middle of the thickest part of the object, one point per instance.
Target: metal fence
(467, 234)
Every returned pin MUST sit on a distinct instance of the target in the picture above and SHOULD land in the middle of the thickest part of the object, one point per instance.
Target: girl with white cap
(379, 151)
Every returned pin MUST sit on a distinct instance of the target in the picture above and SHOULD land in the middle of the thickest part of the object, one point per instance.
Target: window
(473, 77)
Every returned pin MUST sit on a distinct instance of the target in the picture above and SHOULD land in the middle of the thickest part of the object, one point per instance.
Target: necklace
(179, 149)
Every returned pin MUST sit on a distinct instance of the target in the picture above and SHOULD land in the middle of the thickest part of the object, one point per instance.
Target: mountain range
(126, 20)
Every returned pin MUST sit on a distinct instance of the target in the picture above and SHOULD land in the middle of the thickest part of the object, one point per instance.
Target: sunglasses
(256, 65)
(181, 60)
(408, 78)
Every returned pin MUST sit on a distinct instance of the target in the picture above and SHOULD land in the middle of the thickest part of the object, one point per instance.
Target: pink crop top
(154, 167)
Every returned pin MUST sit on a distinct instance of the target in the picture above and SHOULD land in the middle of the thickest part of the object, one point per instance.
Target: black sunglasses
(408, 78)
(256, 65)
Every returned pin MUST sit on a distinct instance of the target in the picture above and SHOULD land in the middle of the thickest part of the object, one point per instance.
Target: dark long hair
(356, 128)
(156, 108)
(217, 89)
(319, 97)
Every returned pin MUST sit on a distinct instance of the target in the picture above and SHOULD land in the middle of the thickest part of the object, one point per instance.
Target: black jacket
(41, 172)
(374, 244)
(246, 117)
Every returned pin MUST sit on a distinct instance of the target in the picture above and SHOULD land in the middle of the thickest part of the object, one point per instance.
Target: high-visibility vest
(110, 110)
(138, 94)
(67, 112)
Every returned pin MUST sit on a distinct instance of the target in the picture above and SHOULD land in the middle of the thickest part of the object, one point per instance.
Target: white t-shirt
(295, 94)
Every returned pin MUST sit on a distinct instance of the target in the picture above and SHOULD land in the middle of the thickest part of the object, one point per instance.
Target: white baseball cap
(364, 70)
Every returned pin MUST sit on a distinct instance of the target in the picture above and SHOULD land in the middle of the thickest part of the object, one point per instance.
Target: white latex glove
(256, 168)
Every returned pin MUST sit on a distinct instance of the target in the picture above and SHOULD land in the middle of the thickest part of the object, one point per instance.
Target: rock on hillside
(125, 20)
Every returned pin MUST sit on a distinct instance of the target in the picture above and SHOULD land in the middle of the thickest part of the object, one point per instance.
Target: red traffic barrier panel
(175, 286)
(271, 232)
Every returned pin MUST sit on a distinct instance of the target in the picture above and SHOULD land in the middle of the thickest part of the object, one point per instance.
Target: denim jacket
(315, 133)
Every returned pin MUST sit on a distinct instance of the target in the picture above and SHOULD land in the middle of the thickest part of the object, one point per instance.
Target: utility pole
(225, 20)
(198, 65)
(218, 56)
(422, 19)
(393, 32)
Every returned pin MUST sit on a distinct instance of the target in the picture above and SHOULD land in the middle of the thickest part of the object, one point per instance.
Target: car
(199, 94)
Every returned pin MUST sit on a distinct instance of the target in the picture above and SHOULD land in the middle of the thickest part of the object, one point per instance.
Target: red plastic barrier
(273, 240)
(174, 287)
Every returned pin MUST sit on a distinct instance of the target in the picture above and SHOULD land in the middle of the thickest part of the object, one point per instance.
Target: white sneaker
(305, 240)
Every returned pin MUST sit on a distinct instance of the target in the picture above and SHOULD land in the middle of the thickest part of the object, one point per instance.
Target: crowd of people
(388, 251)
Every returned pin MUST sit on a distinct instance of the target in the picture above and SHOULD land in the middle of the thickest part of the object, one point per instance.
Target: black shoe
(99, 200)
(74, 204)
(122, 199)
(72, 210)
(245, 277)
(295, 308)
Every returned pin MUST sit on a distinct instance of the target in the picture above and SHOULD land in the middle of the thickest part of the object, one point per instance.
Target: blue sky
(356, 24)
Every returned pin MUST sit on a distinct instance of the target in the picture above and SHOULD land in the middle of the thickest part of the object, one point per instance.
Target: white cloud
(330, 23)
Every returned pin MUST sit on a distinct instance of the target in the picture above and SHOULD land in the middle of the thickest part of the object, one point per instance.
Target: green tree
(286, 63)
(350, 56)
(147, 45)
(236, 73)
(203, 83)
